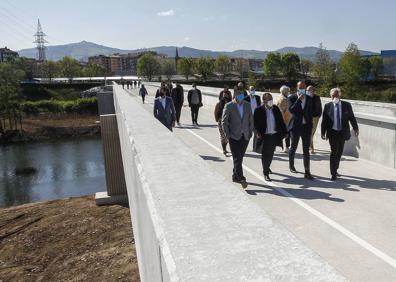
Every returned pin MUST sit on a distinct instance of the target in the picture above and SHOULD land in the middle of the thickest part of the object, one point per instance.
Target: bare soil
(67, 240)
(33, 123)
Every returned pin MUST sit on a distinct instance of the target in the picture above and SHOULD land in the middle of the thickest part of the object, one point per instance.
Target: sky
(219, 25)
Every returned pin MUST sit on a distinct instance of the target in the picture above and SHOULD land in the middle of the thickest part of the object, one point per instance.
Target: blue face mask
(240, 97)
(301, 91)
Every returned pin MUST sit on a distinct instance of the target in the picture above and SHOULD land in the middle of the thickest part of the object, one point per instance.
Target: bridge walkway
(351, 223)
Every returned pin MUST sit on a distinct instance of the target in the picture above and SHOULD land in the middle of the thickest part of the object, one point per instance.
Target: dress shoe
(267, 178)
(308, 176)
(338, 175)
(270, 171)
(333, 178)
(292, 169)
(244, 184)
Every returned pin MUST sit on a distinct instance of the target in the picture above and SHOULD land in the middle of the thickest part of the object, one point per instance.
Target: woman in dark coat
(226, 98)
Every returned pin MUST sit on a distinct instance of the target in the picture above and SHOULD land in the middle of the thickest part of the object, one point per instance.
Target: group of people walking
(244, 115)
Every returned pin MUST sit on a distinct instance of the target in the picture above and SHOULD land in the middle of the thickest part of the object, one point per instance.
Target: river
(60, 169)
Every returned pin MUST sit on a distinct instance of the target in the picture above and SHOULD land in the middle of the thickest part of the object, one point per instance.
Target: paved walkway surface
(351, 223)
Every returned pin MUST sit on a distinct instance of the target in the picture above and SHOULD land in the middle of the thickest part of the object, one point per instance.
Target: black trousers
(238, 150)
(305, 134)
(287, 141)
(194, 113)
(143, 98)
(267, 154)
(178, 109)
(337, 141)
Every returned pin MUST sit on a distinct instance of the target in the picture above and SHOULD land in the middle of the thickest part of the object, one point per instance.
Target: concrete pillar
(115, 179)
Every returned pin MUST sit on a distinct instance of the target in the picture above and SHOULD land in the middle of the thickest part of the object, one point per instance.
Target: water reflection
(64, 169)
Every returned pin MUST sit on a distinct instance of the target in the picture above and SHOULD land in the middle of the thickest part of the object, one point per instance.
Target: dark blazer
(297, 113)
(258, 99)
(316, 106)
(189, 95)
(177, 95)
(347, 117)
(166, 116)
(260, 123)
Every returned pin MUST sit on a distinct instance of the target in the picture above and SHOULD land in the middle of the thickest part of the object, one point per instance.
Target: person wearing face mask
(226, 90)
(164, 109)
(300, 126)
(271, 129)
(281, 102)
(316, 113)
(194, 98)
(254, 101)
(158, 93)
(237, 122)
(337, 115)
(225, 99)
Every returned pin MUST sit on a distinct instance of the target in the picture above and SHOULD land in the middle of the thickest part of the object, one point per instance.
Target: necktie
(338, 117)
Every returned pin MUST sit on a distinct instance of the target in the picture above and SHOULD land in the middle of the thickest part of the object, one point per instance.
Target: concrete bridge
(191, 223)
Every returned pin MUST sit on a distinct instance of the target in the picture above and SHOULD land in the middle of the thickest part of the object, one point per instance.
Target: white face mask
(252, 92)
(336, 100)
(301, 91)
(270, 103)
(310, 93)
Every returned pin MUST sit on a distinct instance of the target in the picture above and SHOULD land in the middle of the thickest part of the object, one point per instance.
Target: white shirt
(163, 102)
(335, 116)
(253, 103)
(270, 121)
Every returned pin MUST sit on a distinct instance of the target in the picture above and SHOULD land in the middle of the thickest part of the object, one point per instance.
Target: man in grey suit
(164, 109)
(238, 127)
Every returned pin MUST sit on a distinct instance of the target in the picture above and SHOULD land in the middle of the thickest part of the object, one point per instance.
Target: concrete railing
(377, 122)
(190, 224)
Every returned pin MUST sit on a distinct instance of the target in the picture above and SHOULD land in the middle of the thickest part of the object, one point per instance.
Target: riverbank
(67, 240)
(53, 127)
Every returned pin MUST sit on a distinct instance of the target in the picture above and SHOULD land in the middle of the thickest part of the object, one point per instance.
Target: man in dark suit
(337, 115)
(164, 110)
(300, 125)
(177, 95)
(238, 127)
(194, 98)
(271, 129)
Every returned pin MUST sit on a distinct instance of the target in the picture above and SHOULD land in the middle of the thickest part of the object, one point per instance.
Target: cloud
(169, 13)
(187, 38)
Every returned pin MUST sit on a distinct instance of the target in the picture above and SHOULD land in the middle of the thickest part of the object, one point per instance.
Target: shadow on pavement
(305, 194)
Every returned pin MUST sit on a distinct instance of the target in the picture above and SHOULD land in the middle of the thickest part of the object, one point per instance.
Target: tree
(10, 77)
(272, 64)
(324, 70)
(306, 67)
(377, 66)
(168, 68)
(252, 81)
(51, 69)
(94, 70)
(186, 67)
(223, 65)
(290, 66)
(242, 67)
(70, 68)
(148, 66)
(351, 70)
(366, 68)
(205, 67)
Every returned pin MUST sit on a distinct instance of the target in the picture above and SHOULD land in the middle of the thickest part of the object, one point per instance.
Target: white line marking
(383, 256)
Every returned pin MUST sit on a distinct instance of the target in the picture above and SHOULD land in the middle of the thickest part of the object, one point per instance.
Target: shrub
(80, 106)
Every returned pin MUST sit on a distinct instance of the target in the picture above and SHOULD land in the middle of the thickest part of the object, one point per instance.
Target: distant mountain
(79, 51)
(84, 49)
